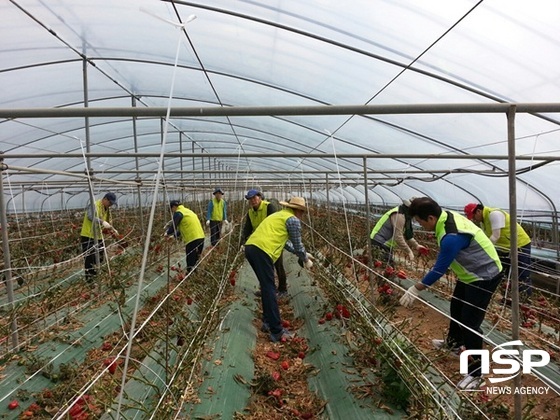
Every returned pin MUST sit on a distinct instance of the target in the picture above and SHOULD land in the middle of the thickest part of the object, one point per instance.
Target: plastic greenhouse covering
(127, 55)
(353, 105)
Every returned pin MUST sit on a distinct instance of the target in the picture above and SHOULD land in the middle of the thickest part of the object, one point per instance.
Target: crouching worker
(186, 225)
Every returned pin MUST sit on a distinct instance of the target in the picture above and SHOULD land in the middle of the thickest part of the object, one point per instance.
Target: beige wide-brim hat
(297, 203)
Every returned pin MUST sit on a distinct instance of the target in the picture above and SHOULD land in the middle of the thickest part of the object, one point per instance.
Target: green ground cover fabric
(236, 340)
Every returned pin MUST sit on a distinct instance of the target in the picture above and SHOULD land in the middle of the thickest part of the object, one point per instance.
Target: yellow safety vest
(504, 242)
(479, 261)
(272, 234)
(190, 227)
(384, 232)
(217, 210)
(101, 213)
(258, 215)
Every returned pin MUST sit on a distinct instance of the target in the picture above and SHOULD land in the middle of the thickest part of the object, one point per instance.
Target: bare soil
(429, 324)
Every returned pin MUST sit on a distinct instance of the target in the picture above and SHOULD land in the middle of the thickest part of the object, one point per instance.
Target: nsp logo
(506, 357)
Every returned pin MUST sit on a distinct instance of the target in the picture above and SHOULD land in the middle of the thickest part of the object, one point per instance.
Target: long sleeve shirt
(173, 229)
(294, 244)
(95, 218)
(398, 221)
(211, 208)
(450, 246)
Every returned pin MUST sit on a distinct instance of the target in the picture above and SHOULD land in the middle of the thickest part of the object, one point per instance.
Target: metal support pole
(309, 205)
(327, 187)
(368, 230)
(554, 239)
(181, 166)
(192, 149)
(162, 133)
(513, 248)
(202, 165)
(215, 170)
(7, 263)
(89, 171)
(366, 199)
(137, 166)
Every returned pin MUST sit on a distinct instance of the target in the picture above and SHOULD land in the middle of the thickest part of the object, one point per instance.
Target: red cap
(470, 209)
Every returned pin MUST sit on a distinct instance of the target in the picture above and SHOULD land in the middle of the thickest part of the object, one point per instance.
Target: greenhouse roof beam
(276, 155)
(251, 111)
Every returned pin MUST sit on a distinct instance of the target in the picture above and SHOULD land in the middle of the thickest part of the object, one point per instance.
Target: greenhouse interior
(280, 209)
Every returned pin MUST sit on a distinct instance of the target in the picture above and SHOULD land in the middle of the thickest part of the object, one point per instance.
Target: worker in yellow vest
(278, 231)
(394, 229)
(258, 211)
(473, 258)
(496, 225)
(186, 225)
(96, 220)
(216, 214)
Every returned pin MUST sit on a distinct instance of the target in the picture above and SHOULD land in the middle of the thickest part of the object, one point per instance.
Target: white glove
(242, 249)
(411, 256)
(106, 225)
(309, 256)
(408, 298)
(208, 223)
(308, 264)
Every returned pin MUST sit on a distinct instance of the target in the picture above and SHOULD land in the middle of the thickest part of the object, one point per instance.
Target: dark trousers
(193, 250)
(215, 230)
(88, 249)
(523, 269)
(263, 267)
(467, 310)
(281, 272)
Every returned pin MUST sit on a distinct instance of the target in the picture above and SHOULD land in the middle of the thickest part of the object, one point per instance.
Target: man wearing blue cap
(215, 215)
(259, 210)
(96, 217)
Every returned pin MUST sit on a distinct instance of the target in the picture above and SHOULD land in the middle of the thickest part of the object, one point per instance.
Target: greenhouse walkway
(230, 369)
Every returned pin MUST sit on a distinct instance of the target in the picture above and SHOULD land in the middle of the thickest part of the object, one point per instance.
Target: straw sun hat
(297, 203)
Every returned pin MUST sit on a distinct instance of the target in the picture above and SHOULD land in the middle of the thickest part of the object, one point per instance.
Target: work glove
(242, 249)
(208, 223)
(305, 264)
(408, 298)
(422, 250)
(411, 256)
(309, 256)
(106, 225)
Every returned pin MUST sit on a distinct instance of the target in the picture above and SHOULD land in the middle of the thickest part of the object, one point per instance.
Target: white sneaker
(442, 345)
(471, 383)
